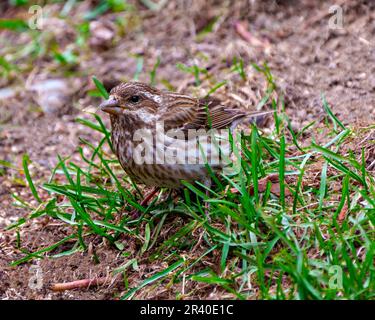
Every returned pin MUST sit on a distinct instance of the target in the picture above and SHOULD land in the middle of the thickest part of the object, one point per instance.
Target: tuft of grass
(99, 85)
(307, 235)
(25, 161)
(14, 25)
(153, 72)
(238, 66)
(195, 70)
(139, 67)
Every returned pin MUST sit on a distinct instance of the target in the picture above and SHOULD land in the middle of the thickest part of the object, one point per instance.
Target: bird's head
(132, 97)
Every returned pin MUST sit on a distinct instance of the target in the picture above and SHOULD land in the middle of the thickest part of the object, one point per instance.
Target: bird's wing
(177, 112)
(213, 115)
(205, 113)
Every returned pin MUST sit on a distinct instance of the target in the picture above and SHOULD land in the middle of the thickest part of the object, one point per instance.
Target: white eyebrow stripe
(157, 98)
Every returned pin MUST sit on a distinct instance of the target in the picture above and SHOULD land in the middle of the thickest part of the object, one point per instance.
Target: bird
(170, 154)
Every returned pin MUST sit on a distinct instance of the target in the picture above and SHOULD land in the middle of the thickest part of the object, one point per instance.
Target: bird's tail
(258, 117)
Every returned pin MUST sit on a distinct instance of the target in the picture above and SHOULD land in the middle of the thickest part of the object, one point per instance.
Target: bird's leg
(149, 196)
(135, 213)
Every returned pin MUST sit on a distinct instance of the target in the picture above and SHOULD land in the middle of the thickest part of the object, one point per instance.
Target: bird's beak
(111, 106)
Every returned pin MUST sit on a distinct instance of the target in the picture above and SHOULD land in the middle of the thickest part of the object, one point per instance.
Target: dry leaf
(342, 215)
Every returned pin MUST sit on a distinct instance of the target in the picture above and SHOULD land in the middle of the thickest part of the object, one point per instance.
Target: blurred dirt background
(40, 101)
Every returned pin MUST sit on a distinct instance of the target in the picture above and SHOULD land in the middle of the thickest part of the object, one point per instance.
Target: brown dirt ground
(305, 56)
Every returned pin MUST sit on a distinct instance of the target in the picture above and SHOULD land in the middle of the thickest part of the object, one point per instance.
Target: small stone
(102, 34)
(296, 125)
(361, 76)
(53, 94)
(301, 114)
(15, 149)
(332, 65)
(6, 93)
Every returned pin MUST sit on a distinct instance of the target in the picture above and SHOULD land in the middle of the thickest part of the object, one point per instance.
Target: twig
(242, 31)
(79, 284)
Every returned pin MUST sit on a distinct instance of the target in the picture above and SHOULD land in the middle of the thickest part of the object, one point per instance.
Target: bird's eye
(134, 99)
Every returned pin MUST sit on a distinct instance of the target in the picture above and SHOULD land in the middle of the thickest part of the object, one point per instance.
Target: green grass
(288, 247)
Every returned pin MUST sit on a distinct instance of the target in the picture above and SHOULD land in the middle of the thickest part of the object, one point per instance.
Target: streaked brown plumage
(133, 106)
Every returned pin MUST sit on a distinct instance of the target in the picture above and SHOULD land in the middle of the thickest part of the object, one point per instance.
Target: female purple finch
(151, 133)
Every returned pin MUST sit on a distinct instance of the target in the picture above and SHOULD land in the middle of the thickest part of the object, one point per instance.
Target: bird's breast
(161, 160)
